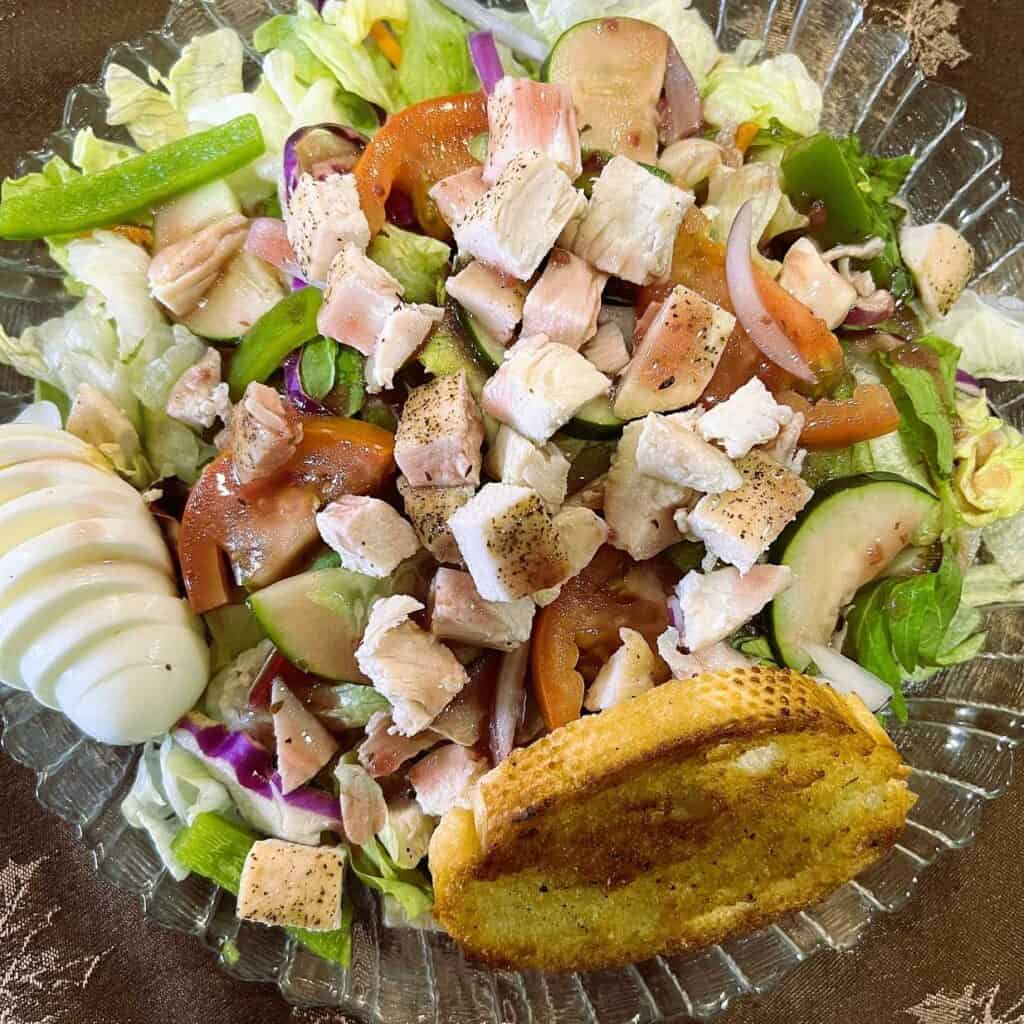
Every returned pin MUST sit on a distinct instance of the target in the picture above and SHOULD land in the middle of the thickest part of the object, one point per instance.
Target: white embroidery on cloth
(33, 974)
(966, 1008)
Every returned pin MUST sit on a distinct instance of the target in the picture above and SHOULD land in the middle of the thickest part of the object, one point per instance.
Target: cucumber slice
(595, 421)
(489, 352)
(189, 213)
(316, 619)
(246, 290)
(615, 68)
(846, 536)
(449, 350)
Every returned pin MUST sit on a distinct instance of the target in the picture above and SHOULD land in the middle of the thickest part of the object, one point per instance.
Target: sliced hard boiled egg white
(23, 443)
(24, 477)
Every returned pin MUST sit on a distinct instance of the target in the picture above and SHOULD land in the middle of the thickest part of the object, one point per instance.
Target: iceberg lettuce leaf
(435, 53)
(209, 69)
(418, 262)
(91, 153)
(148, 113)
(989, 472)
(989, 331)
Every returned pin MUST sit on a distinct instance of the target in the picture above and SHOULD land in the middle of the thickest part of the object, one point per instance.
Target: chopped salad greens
(449, 339)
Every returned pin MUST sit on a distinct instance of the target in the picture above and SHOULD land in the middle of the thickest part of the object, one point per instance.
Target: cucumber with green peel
(847, 535)
(187, 214)
(448, 350)
(489, 352)
(595, 421)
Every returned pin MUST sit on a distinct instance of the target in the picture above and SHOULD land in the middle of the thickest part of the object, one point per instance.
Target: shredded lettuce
(418, 262)
(147, 807)
(233, 629)
(989, 331)
(208, 70)
(375, 868)
(406, 835)
(97, 421)
(91, 153)
(191, 790)
(148, 113)
(278, 33)
(435, 53)
(355, 18)
(778, 89)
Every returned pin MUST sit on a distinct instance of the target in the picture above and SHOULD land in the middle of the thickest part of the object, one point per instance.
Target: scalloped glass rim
(963, 726)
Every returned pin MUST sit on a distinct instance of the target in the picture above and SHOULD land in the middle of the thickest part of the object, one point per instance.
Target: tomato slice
(416, 148)
(869, 413)
(265, 526)
(576, 634)
(698, 262)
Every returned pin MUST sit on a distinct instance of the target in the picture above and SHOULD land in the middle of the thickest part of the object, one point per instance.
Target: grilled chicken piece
(739, 526)
(445, 778)
(631, 223)
(627, 673)
(527, 115)
(581, 532)
(785, 449)
(671, 451)
(455, 195)
(291, 885)
(509, 543)
(264, 433)
(440, 434)
(404, 331)
(691, 161)
(514, 459)
(607, 349)
(199, 397)
(303, 745)
(496, 302)
(716, 658)
(181, 274)
(565, 301)
(815, 283)
(458, 612)
(359, 298)
(323, 216)
(513, 225)
(368, 535)
(364, 811)
(679, 345)
(942, 262)
(715, 604)
(540, 386)
(417, 673)
(748, 417)
(385, 750)
(428, 509)
(268, 240)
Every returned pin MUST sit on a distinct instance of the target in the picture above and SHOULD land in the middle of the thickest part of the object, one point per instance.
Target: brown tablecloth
(73, 949)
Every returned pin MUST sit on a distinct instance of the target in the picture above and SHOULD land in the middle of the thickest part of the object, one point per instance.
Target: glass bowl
(963, 723)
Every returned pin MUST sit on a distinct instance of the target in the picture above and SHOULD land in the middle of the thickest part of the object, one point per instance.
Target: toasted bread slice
(702, 808)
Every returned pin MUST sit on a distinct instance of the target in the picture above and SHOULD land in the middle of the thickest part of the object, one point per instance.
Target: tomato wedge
(576, 634)
(265, 526)
(698, 262)
(870, 412)
(416, 148)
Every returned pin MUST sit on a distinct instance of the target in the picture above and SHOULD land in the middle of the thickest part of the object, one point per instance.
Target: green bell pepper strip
(266, 345)
(216, 848)
(110, 196)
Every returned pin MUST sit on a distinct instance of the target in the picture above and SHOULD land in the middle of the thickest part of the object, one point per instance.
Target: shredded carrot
(135, 233)
(385, 40)
(745, 135)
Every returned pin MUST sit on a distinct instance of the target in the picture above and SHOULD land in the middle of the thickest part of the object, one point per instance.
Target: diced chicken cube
(496, 302)
(738, 526)
(429, 509)
(627, 673)
(445, 778)
(691, 161)
(514, 459)
(455, 195)
(458, 612)
(323, 216)
(582, 532)
(364, 811)
(509, 542)
(785, 448)
(368, 535)
(675, 357)
(639, 508)
(748, 417)
(409, 666)
(303, 745)
(715, 604)
(540, 386)
(669, 450)
(268, 240)
(359, 298)
(631, 223)
(404, 331)
(717, 658)
(181, 274)
(440, 434)
(198, 397)
(513, 225)
(527, 115)
(565, 301)
(942, 262)
(607, 349)
(384, 751)
(292, 885)
(264, 433)
(815, 283)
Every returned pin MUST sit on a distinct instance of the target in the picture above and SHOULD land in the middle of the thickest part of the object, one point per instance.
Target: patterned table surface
(75, 950)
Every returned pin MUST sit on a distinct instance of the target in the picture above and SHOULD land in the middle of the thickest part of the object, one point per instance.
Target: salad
(467, 375)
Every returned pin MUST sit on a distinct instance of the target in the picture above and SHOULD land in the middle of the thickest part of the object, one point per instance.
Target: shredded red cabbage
(486, 60)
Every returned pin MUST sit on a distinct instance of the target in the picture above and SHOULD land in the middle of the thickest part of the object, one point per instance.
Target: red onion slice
(336, 153)
(846, 676)
(509, 702)
(683, 114)
(874, 309)
(966, 383)
(750, 309)
(486, 60)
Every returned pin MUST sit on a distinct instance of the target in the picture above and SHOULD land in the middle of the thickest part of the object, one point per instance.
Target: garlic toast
(697, 810)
